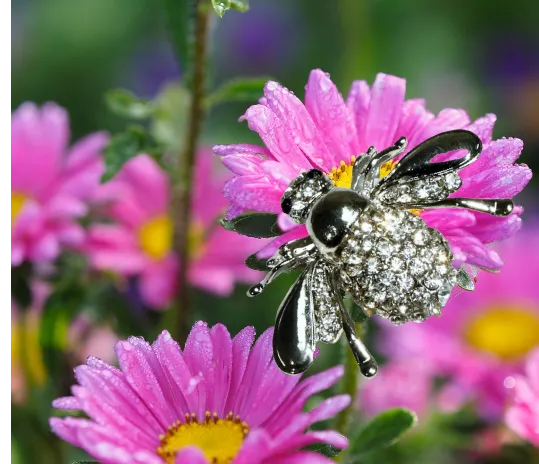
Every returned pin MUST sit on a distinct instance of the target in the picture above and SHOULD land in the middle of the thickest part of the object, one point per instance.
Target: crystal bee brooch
(369, 242)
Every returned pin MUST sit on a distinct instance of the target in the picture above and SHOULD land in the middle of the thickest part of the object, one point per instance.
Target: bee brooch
(370, 243)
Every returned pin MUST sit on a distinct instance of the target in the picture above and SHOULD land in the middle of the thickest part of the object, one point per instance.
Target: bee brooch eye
(368, 241)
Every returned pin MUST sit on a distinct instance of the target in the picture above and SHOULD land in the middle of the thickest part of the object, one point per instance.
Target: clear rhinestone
(420, 237)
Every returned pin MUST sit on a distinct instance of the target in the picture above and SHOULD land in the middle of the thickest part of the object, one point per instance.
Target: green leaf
(124, 146)
(382, 431)
(257, 264)
(239, 5)
(179, 13)
(325, 449)
(125, 103)
(20, 285)
(257, 225)
(247, 89)
(220, 6)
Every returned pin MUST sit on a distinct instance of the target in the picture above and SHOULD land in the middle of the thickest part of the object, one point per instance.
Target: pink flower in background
(139, 240)
(523, 415)
(51, 183)
(215, 401)
(484, 336)
(326, 132)
(399, 384)
(89, 338)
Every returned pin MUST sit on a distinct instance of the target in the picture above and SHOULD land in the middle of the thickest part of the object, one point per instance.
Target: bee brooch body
(370, 242)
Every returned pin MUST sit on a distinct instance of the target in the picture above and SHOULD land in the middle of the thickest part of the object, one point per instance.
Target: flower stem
(349, 383)
(181, 202)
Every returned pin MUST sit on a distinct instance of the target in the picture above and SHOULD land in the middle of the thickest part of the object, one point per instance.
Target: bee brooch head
(369, 242)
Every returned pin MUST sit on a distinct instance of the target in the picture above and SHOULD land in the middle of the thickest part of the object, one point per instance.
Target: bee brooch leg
(365, 360)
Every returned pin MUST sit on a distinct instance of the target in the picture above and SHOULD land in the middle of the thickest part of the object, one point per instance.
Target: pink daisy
(327, 133)
(523, 415)
(50, 182)
(217, 401)
(484, 336)
(139, 240)
(397, 386)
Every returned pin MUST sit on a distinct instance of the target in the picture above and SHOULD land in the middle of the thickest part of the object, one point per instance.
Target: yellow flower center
(17, 202)
(26, 353)
(341, 176)
(219, 439)
(155, 238)
(509, 332)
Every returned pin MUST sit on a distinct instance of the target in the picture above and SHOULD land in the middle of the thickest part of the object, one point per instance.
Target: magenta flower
(50, 182)
(217, 401)
(523, 415)
(139, 241)
(327, 133)
(397, 385)
(484, 336)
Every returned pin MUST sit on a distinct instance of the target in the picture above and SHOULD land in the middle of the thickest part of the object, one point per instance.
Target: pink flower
(50, 182)
(215, 401)
(327, 132)
(397, 385)
(139, 241)
(483, 337)
(523, 415)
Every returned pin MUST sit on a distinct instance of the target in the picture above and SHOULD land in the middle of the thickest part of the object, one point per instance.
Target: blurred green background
(479, 55)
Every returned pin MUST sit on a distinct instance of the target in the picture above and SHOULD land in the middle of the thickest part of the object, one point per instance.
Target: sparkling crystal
(396, 264)
(420, 237)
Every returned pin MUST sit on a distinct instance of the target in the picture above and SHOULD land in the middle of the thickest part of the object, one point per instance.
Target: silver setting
(366, 242)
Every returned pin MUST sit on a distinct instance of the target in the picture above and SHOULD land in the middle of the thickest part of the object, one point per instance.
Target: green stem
(186, 160)
(349, 385)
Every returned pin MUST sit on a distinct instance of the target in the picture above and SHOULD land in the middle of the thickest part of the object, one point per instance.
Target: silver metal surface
(366, 242)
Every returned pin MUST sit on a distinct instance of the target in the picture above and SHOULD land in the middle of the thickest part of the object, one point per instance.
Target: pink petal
(483, 127)
(414, 117)
(299, 123)
(269, 250)
(243, 164)
(387, 98)
(502, 152)
(222, 362)
(253, 193)
(148, 183)
(38, 139)
(171, 358)
(476, 253)
(241, 347)
(358, 104)
(276, 137)
(158, 282)
(259, 362)
(303, 457)
(501, 182)
(255, 448)
(140, 377)
(191, 455)
(332, 117)
(452, 118)
(199, 355)
(242, 149)
(492, 229)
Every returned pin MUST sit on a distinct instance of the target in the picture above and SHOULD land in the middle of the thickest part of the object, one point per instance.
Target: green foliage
(179, 13)
(382, 431)
(257, 225)
(325, 449)
(239, 90)
(124, 146)
(222, 6)
(20, 285)
(124, 103)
